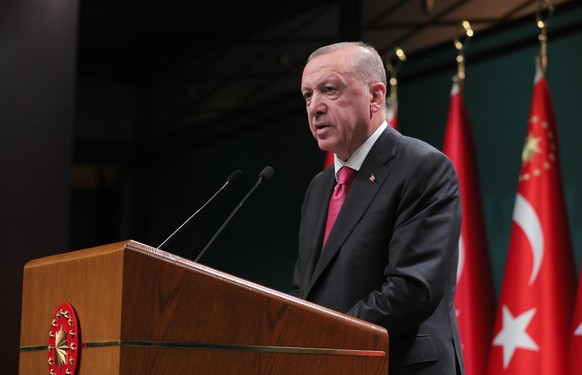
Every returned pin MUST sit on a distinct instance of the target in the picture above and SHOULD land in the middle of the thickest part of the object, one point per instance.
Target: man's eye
(329, 90)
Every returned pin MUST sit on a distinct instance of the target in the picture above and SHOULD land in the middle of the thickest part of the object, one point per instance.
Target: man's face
(338, 106)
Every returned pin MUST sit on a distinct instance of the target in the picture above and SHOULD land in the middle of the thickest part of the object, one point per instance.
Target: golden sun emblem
(63, 343)
(61, 347)
(530, 148)
(539, 152)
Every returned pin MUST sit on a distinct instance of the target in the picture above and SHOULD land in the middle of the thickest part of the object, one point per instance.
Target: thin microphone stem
(194, 214)
(228, 219)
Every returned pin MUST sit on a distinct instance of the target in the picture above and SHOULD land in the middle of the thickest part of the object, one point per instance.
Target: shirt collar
(357, 159)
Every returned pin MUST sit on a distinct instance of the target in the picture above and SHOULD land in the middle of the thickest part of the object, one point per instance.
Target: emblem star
(530, 148)
(513, 335)
(61, 347)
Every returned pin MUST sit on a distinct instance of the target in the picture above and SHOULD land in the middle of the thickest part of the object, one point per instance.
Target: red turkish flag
(535, 308)
(328, 159)
(475, 296)
(575, 350)
(392, 121)
(391, 118)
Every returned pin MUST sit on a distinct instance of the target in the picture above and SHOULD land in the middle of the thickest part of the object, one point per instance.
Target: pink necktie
(344, 179)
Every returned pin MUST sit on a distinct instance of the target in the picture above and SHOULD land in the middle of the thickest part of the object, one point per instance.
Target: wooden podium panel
(142, 310)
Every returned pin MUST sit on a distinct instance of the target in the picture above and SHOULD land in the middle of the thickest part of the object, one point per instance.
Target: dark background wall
(37, 81)
(78, 171)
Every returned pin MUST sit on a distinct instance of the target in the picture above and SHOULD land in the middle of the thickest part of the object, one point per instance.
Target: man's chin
(325, 145)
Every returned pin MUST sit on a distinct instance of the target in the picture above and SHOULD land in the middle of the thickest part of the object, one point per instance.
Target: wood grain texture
(157, 313)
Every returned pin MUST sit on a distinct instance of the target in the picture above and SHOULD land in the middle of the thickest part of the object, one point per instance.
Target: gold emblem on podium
(63, 341)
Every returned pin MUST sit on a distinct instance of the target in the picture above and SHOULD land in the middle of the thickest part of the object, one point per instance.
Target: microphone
(232, 179)
(264, 176)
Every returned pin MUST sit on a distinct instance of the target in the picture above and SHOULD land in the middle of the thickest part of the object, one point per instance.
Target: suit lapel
(318, 215)
(371, 176)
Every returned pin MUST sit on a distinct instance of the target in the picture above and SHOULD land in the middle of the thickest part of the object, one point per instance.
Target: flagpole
(545, 8)
(393, 68)
(461, 42)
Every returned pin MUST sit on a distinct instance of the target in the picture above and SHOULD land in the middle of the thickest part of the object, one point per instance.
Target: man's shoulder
(415, 146)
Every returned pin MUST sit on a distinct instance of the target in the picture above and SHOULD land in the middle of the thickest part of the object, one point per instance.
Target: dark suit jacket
(391, 257)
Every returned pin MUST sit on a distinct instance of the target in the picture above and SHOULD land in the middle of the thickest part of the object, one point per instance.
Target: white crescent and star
(527, 219)
(513, 335)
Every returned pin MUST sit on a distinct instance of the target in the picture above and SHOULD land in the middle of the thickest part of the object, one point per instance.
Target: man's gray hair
(365, 61)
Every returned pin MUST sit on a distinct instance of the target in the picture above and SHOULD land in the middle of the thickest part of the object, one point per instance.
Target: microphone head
(235, 176)
(266, 173)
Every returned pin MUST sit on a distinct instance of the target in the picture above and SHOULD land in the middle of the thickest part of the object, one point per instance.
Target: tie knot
(346, 175)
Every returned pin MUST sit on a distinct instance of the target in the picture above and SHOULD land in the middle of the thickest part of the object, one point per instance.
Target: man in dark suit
(391, 256)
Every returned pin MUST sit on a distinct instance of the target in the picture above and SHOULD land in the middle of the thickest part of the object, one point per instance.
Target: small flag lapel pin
(372, 178)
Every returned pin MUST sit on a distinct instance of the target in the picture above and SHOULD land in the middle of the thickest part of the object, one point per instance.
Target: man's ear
(377, 96)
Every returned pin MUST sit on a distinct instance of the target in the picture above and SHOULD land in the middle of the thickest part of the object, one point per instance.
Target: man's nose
(317, 105)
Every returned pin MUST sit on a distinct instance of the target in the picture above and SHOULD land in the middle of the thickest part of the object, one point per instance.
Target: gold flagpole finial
(461, 42)
(545, 9)
(393, 65)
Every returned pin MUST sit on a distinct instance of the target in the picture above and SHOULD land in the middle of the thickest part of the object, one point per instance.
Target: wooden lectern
(141, 310)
